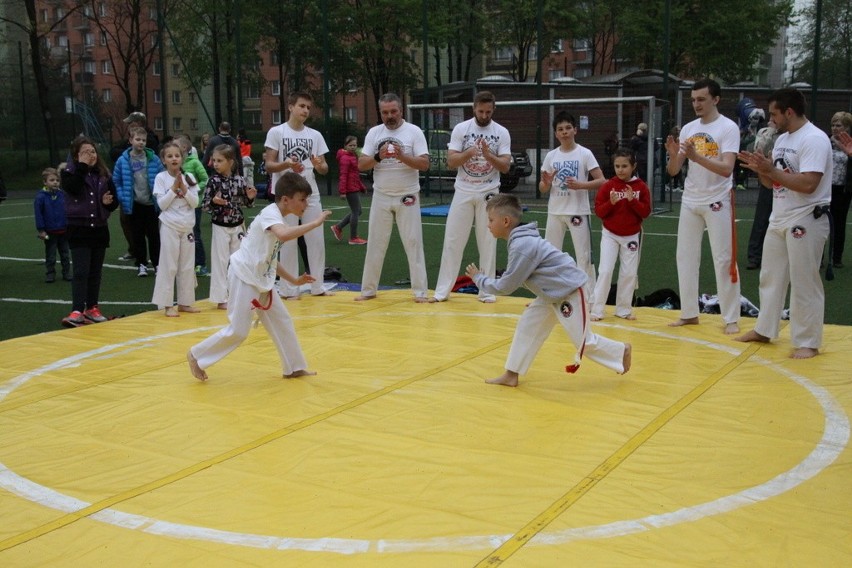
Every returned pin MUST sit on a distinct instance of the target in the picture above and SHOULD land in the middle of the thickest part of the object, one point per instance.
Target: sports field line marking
(536, 525)
(110, 502)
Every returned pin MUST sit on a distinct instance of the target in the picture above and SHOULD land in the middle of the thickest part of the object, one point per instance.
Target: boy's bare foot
(488, 300)
(188, 309)
(421, 300)
(752, 336)
(731, 328)
(324, 293)
(300, 373)
(196, 371)
(628, 358)
(364, 298)
(222, 306)
(508, 379)
(804, 353)
(595, 318)
(291, 298)
(629, 317)
(436, 300)
(171, 312)
(681, 321)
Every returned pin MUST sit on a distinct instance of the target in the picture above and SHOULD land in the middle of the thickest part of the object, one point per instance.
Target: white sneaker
(143, 271)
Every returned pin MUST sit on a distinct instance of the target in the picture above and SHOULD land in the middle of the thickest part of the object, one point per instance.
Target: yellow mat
(708, 453)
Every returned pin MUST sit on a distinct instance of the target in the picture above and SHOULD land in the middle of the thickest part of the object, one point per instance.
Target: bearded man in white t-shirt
(710, 143)
(480, 149)
(799, 173)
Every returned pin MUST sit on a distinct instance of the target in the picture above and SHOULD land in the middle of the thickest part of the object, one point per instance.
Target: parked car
(438, 170)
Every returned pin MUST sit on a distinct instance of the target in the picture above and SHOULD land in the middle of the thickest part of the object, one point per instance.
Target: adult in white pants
(799, 174)
(299, 148)
(480, 149)
(395, 150)
(710, 143)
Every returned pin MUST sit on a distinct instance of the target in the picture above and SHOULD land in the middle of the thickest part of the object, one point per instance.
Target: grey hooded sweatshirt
(546, 271)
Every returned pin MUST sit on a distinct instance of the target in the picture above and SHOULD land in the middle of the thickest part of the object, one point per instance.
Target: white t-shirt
(177, 213)
(390, 176)
(703, 187)
(299, 145)
(477, 174)
(257, 258)
(574, 164)
(808, 149)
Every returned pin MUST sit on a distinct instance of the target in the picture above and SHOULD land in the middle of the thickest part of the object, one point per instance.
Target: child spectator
(177, 198)
(245, 156)
(224, 196)
(251, 277)
(51, 225)
(350, 188)
(192, 165)
(566, 170)
(557, 282)
(134, 174)
(90, 198)
(622, 203)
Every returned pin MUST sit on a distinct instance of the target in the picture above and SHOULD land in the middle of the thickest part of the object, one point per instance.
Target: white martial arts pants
(791, 255)
(406, 209)
(177, 262)
(627, 251)
(581, 236)
(718, 219)
(276, 320)
(224, 241)
(466, 209)
(315, 241)
(538, 320)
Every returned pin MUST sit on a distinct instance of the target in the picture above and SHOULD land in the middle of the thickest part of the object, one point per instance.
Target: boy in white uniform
(557, 282)
(251, 278)
(710, 143)
(396, 150)
(481, 150)
(565, 173)
(294, 146)
(799, 174)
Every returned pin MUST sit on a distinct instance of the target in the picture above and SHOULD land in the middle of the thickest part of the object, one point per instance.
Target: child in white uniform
(557, 282)
(251, 278)
(176, 194)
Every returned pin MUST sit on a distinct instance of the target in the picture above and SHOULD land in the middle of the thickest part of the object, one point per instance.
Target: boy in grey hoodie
(557, 282)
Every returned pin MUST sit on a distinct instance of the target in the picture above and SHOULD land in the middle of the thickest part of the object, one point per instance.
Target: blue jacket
(122, 178)
(50, 211)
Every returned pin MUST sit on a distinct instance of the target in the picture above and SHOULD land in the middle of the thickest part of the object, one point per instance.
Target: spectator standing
(223, 137)
(192, 165)
(841, 184)
(763, 143)
(350, 187)
(639, 145)
(52, 225)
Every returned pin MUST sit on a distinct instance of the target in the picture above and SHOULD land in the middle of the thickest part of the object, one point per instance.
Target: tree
(835, 64)
(723, 38)
(515, 24)
(456, 37)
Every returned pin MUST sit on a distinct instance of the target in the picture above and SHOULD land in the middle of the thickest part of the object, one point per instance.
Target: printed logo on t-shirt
(408, 200)
(782, 164)
(566, 309)
(298, 149)
(705, 145)
(478, 166)
(565, 171)
(397, 146)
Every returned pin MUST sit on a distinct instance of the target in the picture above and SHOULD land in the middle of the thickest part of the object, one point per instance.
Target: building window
(193, 124)
(89, 67)
(251, 92)
(275, 87)
(276, 117)
(158, 97)
(175, 70)
(89, 39)
(273, 58)
(581, 72)
(44, 16)
(176, 97)
(556, 74)
(103, 38)
(558, 46)
(106, 95)
(582, 45)
(176, 123)
(253, 118)
(60, 13)
(351, 114)
(158, 123)
(351, 85)
(155, 68)
(102, 10)
(192, 96)
(504, 54)
(106, 67)
(63, 41)
(47, 43)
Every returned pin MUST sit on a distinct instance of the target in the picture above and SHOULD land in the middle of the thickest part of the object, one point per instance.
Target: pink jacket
(350, 177)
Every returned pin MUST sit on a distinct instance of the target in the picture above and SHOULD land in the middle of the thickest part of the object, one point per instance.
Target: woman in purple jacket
(350, 188)
(90, 198)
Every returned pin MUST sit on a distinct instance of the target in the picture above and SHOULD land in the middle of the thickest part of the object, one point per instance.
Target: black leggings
(88, 265)
(840, 199)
